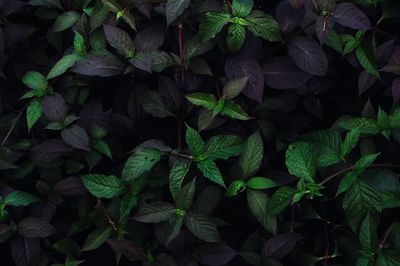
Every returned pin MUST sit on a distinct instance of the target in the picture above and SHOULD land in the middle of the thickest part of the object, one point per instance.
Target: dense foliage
(199, 132)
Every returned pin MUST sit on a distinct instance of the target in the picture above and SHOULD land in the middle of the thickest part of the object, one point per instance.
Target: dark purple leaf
(150, 38)
(323, 27)
(288, 17)
(349, 15)
(216, 254)
(54, 107)
(238, 66)
(91, 112)
(395, 57)
(25, 251)
(98, 65)
(282, 73)
(297, 4)
(281, 245)
(32, 227)
(143, 6)
(50, 150)
(164, 260)
(127, 248)
(5, 232)
(308, 55)
(70, 186)
(76, 137)
(396, 89)
(365, 81)
(384, 51)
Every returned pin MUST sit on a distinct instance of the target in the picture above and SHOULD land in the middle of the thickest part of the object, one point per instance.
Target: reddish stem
(107, 215)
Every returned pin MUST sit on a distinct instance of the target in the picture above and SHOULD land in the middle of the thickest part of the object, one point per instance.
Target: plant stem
(106, 214)
(13, 125)
(386, 235)
(181, 57)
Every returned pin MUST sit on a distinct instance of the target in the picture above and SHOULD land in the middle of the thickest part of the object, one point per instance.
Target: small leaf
(103, 186)
(176, 176)
(301, 161)
(185, 195)
(63, 65)
(241, 8)
(281, 199)
(202, 227)
(205, 100)
(280, 246)
(33, 113)
(216, 254)
(65, 21)
(235, 188)
(236, 37)
(264, 26)
(154, 212)
(20, 198)
(350, 142)
(367, 60)
(364, 124)
(234, 87)
(194, 141)
(250, 160)
(76, 137)
(35, 81)
(54, 107)
(261, 183)
(140, 163)
(235, 111)
(97, 238)
(368, 237)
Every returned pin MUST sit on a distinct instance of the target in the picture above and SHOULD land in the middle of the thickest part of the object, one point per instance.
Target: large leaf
(20, 198)
(25, 251)
(97, 238)
(76, 137)
(223, 147)
(301, 161)
(103, 186)
(62, 65)
(54, 107)
(236, 37)
(308, 55)
(210, 170)
(140, 163)
(241, 8)
(250, 160)
(234, 110)
(281, 199)
(264, 26)
(205, 100)
(65, 21)
(35, 81)
(33, 227)
(212, 23)
(194, 141)
(176, 176)
(367, 60)
(175, 8)
(98, 65)
(258, 202)
(201, 226)
(119, 40)
(155, 212)
(351, 16)
(368, 237)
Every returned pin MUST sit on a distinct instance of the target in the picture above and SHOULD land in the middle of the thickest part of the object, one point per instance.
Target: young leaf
(264, 26)
(20, 198)
(175, 8)
(103, 186)
(205, 100)
(210, 170)
(35, 81)
(301, 161)
(235, 188)
(63, 65)
(236, 37)
(281, 199)
(258, 202)
(212, 23)
(155, 212)
(33, 113)
(261, 183)
(350, 142)
(241, 8)
(140, 162)
(202, 227)
(194, 141)
(250, 160)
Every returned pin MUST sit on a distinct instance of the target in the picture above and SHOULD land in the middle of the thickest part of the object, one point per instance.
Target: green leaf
(212, 23)
(175, 8)
(127, 203)
(235, 188)
(234, 111)
(112, 5)
(261, 183)
(201, 226)
(66, 21)
(62, 65)
(194, 141)
(251, 158)
(152, 103)
(35, 81)
(347, 182)
(236, 37)
(234, 87)
(79, 44)
(97, 238)
(364, 162)
(368, 238)
(175, 225)
(360, 200)
(20, 198)
(241, 8)
(103, 186)
(155, 212)
(264, 26)
(223, 147)
(301, 161)
(120, 41)
(176, 176)
(102, 147)
(364, 124)
(281, 199)
(367, 60)
(140, 163)
(350, 142)
(33, 112)
(184, 197)
(258, 202)
(210, 170)
(205, 100)
(333, 40)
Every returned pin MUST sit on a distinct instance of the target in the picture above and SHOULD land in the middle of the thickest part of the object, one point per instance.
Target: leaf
(223, 147)
(242, 8)
(103, 186)
(140, 163)
(239, 66)
(264, 26)
(97, 65)
(112, 5)
(50, 150)
(202, 227)
(205, 100)
(70, 186)
(97, 238)
(184, 197)
(25, 251)
(154, 212)
(258, 202)
(234, 87)
(194, 141)
(176, 176)
(76, 137)
(33, 113)
(65, 63)
(212, 23)
(368, 238)
(33, 227)
(364, 124)
(65, 21)
(120, 41)
(35, 81)
(308, 55)
(288, 16)
(282, 73)
(20, 198)
(210, 170)
(280, 246)
(127, 248)
(301, 161)
(395, 88)
(216, 254)
(235, 188)
(250, 160)
(281, 199)
(349, 15)
(234, 111)
(54, 107)
(261, 183)
(236, 37)
(175, 8)
(152, 103)
(367, 60)
(360, 200)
